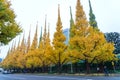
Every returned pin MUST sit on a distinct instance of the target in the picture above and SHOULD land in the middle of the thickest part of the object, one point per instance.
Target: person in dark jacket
(106, 71)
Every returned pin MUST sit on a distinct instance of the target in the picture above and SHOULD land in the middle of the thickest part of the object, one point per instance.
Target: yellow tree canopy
(59, 46)
(92, 47)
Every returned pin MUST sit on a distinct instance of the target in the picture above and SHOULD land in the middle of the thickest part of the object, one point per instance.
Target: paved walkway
(81, 74)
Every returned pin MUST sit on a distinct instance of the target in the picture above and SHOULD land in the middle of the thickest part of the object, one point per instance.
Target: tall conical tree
(12, 47)
(35, 40)
(40, 39)
(12, 57)
(44, 34)
(80, 26)
(42, 50)
(21, 54)
(79, 31)
(32, 61)
(44, 44)
(28, 42)
(48, 47)
(18, 45)
(92, 20)
(48, 36)
(71, 24)
(58, 44)
(81, 20)
(22, 46)
(8, 52)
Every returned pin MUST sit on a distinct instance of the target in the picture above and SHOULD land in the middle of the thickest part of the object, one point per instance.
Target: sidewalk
(80, 74)
(76, 74)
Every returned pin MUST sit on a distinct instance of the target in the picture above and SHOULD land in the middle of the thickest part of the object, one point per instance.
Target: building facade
(66, 33)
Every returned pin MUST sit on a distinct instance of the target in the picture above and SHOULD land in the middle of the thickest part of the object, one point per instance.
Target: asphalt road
(51, 77)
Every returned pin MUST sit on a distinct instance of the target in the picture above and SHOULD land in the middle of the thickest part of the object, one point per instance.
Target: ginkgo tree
(9, 29)
(10, 61)
(21, 51)
(87, 43)
(59, 47)
(32, 61)
(44, 49)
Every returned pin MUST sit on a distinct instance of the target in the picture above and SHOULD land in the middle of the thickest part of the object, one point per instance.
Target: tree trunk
(101, 67)
(43, 68)
(87, 67)
(59, 68)
(59, 64)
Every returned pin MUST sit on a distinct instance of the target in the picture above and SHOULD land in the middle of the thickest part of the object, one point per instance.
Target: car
(1, 69)
(6, 72)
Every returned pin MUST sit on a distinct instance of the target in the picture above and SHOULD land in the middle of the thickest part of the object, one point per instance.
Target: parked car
(6, 72)
(1, 69)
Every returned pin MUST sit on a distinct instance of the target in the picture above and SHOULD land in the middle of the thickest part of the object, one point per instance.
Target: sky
(30, 12)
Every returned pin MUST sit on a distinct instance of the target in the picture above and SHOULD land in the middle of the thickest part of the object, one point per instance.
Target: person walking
(98, 69)
(106, 71)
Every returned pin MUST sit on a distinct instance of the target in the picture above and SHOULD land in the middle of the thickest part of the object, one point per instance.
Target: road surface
(53, 77)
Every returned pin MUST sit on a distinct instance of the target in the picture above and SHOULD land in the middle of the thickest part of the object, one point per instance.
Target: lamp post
(50, 68)
(71, 68)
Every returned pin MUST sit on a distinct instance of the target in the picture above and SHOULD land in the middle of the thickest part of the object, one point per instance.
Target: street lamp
(71, 68)
(50, 68)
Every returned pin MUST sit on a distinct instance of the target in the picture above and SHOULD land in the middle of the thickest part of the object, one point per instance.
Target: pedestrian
(98, 69)
(106, 71)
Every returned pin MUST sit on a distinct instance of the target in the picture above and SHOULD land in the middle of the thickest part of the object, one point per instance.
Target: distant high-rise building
(66, 33)
(0, 59)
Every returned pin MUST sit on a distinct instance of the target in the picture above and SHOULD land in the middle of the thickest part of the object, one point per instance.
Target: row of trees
(87, 43)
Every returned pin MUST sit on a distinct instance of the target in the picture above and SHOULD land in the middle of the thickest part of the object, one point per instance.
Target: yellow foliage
(92, 47)
(32, 59)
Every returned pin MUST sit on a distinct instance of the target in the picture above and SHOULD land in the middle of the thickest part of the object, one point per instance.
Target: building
(66, 33)
(0, 59)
